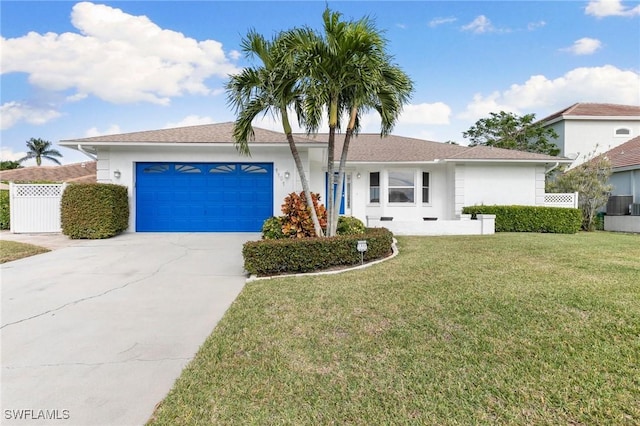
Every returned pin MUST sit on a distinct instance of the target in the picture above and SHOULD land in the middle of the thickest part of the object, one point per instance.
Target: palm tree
(39, 149)
(349, 72)
(272, 87)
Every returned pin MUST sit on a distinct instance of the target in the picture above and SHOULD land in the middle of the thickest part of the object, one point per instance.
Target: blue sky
(79, 69)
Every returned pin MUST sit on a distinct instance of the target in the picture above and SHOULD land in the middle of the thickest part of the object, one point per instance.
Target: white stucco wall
(499, 184)
(124, 160)
(583, 137)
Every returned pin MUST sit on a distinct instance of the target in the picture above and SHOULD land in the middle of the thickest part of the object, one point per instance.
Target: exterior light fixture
(117, 174)
(358, 175)
(287, 175)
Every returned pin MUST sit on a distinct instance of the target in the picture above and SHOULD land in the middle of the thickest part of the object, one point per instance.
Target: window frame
(620, 135)
(369, 198)
(390, 187)
(427, 187)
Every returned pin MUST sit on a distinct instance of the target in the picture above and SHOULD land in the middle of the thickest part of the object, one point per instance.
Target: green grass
(12, 250)
(529, 329)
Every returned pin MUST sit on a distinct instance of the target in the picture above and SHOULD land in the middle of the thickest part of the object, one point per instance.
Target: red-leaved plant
(297, 221)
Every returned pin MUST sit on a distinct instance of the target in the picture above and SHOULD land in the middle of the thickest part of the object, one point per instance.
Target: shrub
(94, 210)
(297, 221)
(348, 225)
(4, 209)
(272, 228)
(531, 218)
(293, 255)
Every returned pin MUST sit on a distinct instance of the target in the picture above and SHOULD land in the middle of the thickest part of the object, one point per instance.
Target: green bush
(294, 255)
(4, 209)
(94, 210)
(531, 218)
(348, 225)
(272, 228)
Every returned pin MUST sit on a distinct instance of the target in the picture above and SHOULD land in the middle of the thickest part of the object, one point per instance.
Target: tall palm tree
(272, 87)
(39, 149)
(348, 72)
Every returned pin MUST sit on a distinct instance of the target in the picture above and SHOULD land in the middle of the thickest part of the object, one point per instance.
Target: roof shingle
(206, 133)
(596, 110)
(625, 155)
(77, 172)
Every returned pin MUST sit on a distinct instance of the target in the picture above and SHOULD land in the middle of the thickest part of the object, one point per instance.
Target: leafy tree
(271, 87)
(39, 149)
(347, 71)
(507, 130)
(590, 180)
(9, 165)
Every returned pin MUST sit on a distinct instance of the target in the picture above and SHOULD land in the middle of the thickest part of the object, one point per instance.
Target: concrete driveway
(96, 333)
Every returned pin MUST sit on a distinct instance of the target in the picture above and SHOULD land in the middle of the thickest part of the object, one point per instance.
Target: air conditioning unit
(618, 205)
(635, 209)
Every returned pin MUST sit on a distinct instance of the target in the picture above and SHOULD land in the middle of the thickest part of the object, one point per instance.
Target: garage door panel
(201, 197)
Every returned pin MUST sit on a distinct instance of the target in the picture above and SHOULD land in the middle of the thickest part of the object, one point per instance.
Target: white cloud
(436, 113)
(584, 46)
(11, 113)
(440, 21)
(7, 154)
(480, 25)
(401, 26)
(114, 129)
(542, 95)
(531, 26)
(603, 8)
(235, 55)
(116, 57)
(190, 120)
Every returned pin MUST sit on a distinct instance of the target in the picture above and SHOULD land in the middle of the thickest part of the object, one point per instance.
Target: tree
(39, 149)
(507, 130)
(347, 71)
(9, 165)
(272, 87)
(590, 180)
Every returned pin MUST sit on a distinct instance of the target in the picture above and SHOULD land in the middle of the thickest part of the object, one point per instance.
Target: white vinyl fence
(35, 207)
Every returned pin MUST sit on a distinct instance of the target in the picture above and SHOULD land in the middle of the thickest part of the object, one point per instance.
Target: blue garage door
(203, 197)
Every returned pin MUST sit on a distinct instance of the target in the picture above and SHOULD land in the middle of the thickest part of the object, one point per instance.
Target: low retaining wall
(484, 225)
(622, 223)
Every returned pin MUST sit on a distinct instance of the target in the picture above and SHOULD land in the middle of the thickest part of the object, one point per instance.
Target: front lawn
(504, 329)
(12, 250)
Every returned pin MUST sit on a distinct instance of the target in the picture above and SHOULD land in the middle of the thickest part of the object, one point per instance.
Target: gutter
(552, 168)
(93, 157)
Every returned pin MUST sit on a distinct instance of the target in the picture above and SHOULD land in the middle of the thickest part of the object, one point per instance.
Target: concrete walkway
(96, 333)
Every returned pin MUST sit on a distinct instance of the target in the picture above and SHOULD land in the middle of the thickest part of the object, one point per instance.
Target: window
(401, 187)
(425, 187)
(374, 187)
(623, 132)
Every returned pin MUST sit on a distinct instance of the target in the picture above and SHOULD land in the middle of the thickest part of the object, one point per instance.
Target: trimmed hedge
(294, 255)
(94, 210)
(4, 210)
(556, 220)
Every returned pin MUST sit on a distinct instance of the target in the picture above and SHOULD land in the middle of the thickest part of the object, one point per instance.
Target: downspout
(93, 157)
(552, 168)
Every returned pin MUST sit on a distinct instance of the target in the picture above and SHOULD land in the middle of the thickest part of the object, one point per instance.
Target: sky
(79, 69)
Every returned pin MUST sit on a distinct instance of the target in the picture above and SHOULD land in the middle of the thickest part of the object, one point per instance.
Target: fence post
(575, 200)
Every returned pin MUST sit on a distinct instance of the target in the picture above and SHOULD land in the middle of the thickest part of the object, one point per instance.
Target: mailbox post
(362, 247)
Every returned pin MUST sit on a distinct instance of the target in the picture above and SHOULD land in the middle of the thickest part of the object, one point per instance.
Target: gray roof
(206, 133)
(368, 147)
(365, 147)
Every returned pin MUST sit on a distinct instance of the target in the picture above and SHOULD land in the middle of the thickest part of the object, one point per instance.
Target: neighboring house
(193, 179)
(79, 173)
(625, 179)
(625, 165)
(585, 128)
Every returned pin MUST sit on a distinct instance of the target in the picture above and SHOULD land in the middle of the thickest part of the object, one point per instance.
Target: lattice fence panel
(561, 200)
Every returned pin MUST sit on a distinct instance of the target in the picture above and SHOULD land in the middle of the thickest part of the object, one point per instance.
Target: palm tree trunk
(333, 123)
(301, 173)
(342, 166)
